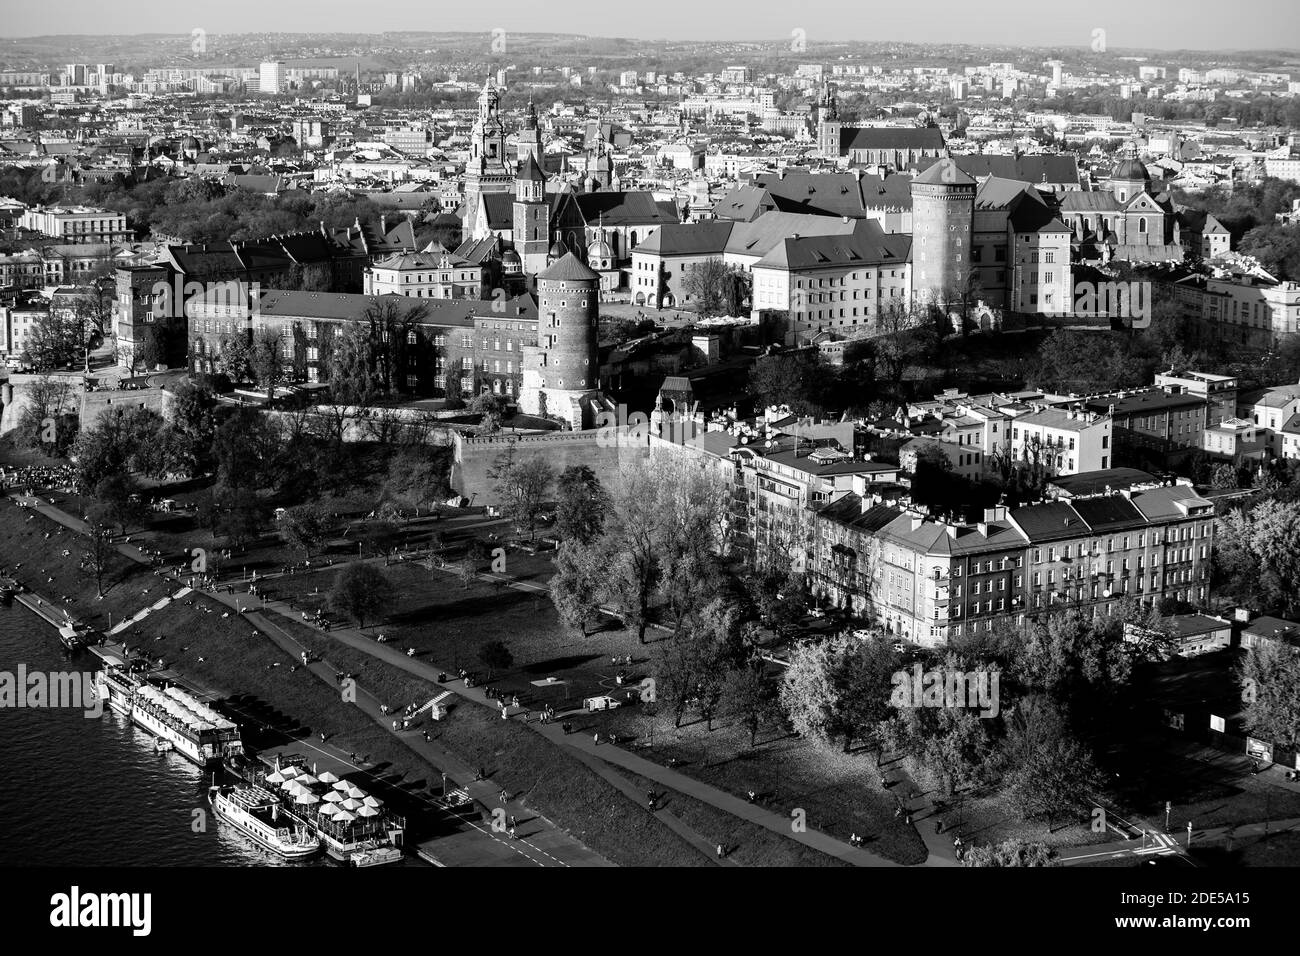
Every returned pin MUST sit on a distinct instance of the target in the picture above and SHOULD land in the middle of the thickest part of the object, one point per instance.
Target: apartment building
(1064, 441)
(1157, 422)
(780, 488)
(928, 581)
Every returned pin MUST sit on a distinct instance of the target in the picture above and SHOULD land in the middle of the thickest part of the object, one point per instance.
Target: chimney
(983, 527)
(383, 223)
(952, 531)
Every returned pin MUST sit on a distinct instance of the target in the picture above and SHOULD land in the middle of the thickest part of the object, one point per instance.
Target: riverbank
(264, 687)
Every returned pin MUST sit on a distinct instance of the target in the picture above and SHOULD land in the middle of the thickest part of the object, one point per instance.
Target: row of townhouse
(928, 581)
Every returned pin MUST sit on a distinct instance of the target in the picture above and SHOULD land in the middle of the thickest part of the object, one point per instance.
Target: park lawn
(987, 816)
(447, 623)
(746, 843)
(840, 792)
(39, 558)
(559, 786)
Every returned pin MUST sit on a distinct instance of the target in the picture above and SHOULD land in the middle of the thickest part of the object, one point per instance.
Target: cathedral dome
(510, 261)
(600, 249)
(558, 250)
(1132, 169)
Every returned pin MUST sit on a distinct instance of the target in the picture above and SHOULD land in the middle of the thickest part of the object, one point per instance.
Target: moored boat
(258, 815)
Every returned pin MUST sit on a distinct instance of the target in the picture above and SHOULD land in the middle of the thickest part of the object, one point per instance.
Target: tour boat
(258, 815)
(191, 727)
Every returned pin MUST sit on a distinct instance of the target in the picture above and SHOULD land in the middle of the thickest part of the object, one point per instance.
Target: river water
(80, 791)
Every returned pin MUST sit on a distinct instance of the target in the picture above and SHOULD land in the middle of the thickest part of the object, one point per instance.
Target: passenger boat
(191, 727)
(258, 815)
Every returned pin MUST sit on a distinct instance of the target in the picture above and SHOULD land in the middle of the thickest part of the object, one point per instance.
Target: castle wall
(603, 450)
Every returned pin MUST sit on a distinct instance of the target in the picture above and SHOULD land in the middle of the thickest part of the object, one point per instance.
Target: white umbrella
(351, 804)
(292, 786)
(329, 809)
(307, 798)
(306, 780)
(290, 771)
(334, 797)
(277, 778)
(343, 817)
(328, 777)
(356, 793)
(342, 785)
(373, 802)
(367, 812)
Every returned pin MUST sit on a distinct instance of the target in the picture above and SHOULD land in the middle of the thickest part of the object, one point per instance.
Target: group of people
(32, 477)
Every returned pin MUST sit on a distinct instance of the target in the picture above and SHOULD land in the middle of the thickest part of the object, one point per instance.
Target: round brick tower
(567, 296)
(943, 214)
(561, 377)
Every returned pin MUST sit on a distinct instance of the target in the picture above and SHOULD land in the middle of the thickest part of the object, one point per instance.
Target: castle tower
(561, 371)
(486, 171)
(943, 214)
(828, 124)
(532, 216)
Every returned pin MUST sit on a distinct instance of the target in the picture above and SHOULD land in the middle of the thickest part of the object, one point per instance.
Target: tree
(495, 656)
(153, 349)
(116, 502)
(1009, 853)
(1224, 476)
(1269, 676)
(703, 285)
(416, 478)
(1051, 772)
(749, 698)
(97, 554)
(577, 584)
(48, 417)
(352, 367)
(360, 591)
(798, 380)
(265, 362)
(808, 693)
(522, 488)
(581, 503)
(305, 526)
(56, 339)
(1257, 555)
(491, 406)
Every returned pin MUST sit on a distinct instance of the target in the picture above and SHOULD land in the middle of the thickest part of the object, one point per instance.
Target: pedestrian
(719, 851)
(512, 832)
(481, 774)
(938, 826)
(750, 795)
(503, 797)
(596, 738)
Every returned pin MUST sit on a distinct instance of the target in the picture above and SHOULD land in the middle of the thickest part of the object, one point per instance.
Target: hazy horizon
(1194, 26)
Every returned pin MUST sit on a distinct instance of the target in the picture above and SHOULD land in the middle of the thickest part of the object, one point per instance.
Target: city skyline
(1271, 24)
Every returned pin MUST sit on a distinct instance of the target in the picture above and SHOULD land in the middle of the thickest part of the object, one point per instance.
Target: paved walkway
(581, 743)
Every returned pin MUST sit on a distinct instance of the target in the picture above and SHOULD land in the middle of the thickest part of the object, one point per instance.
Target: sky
(1163, 24)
